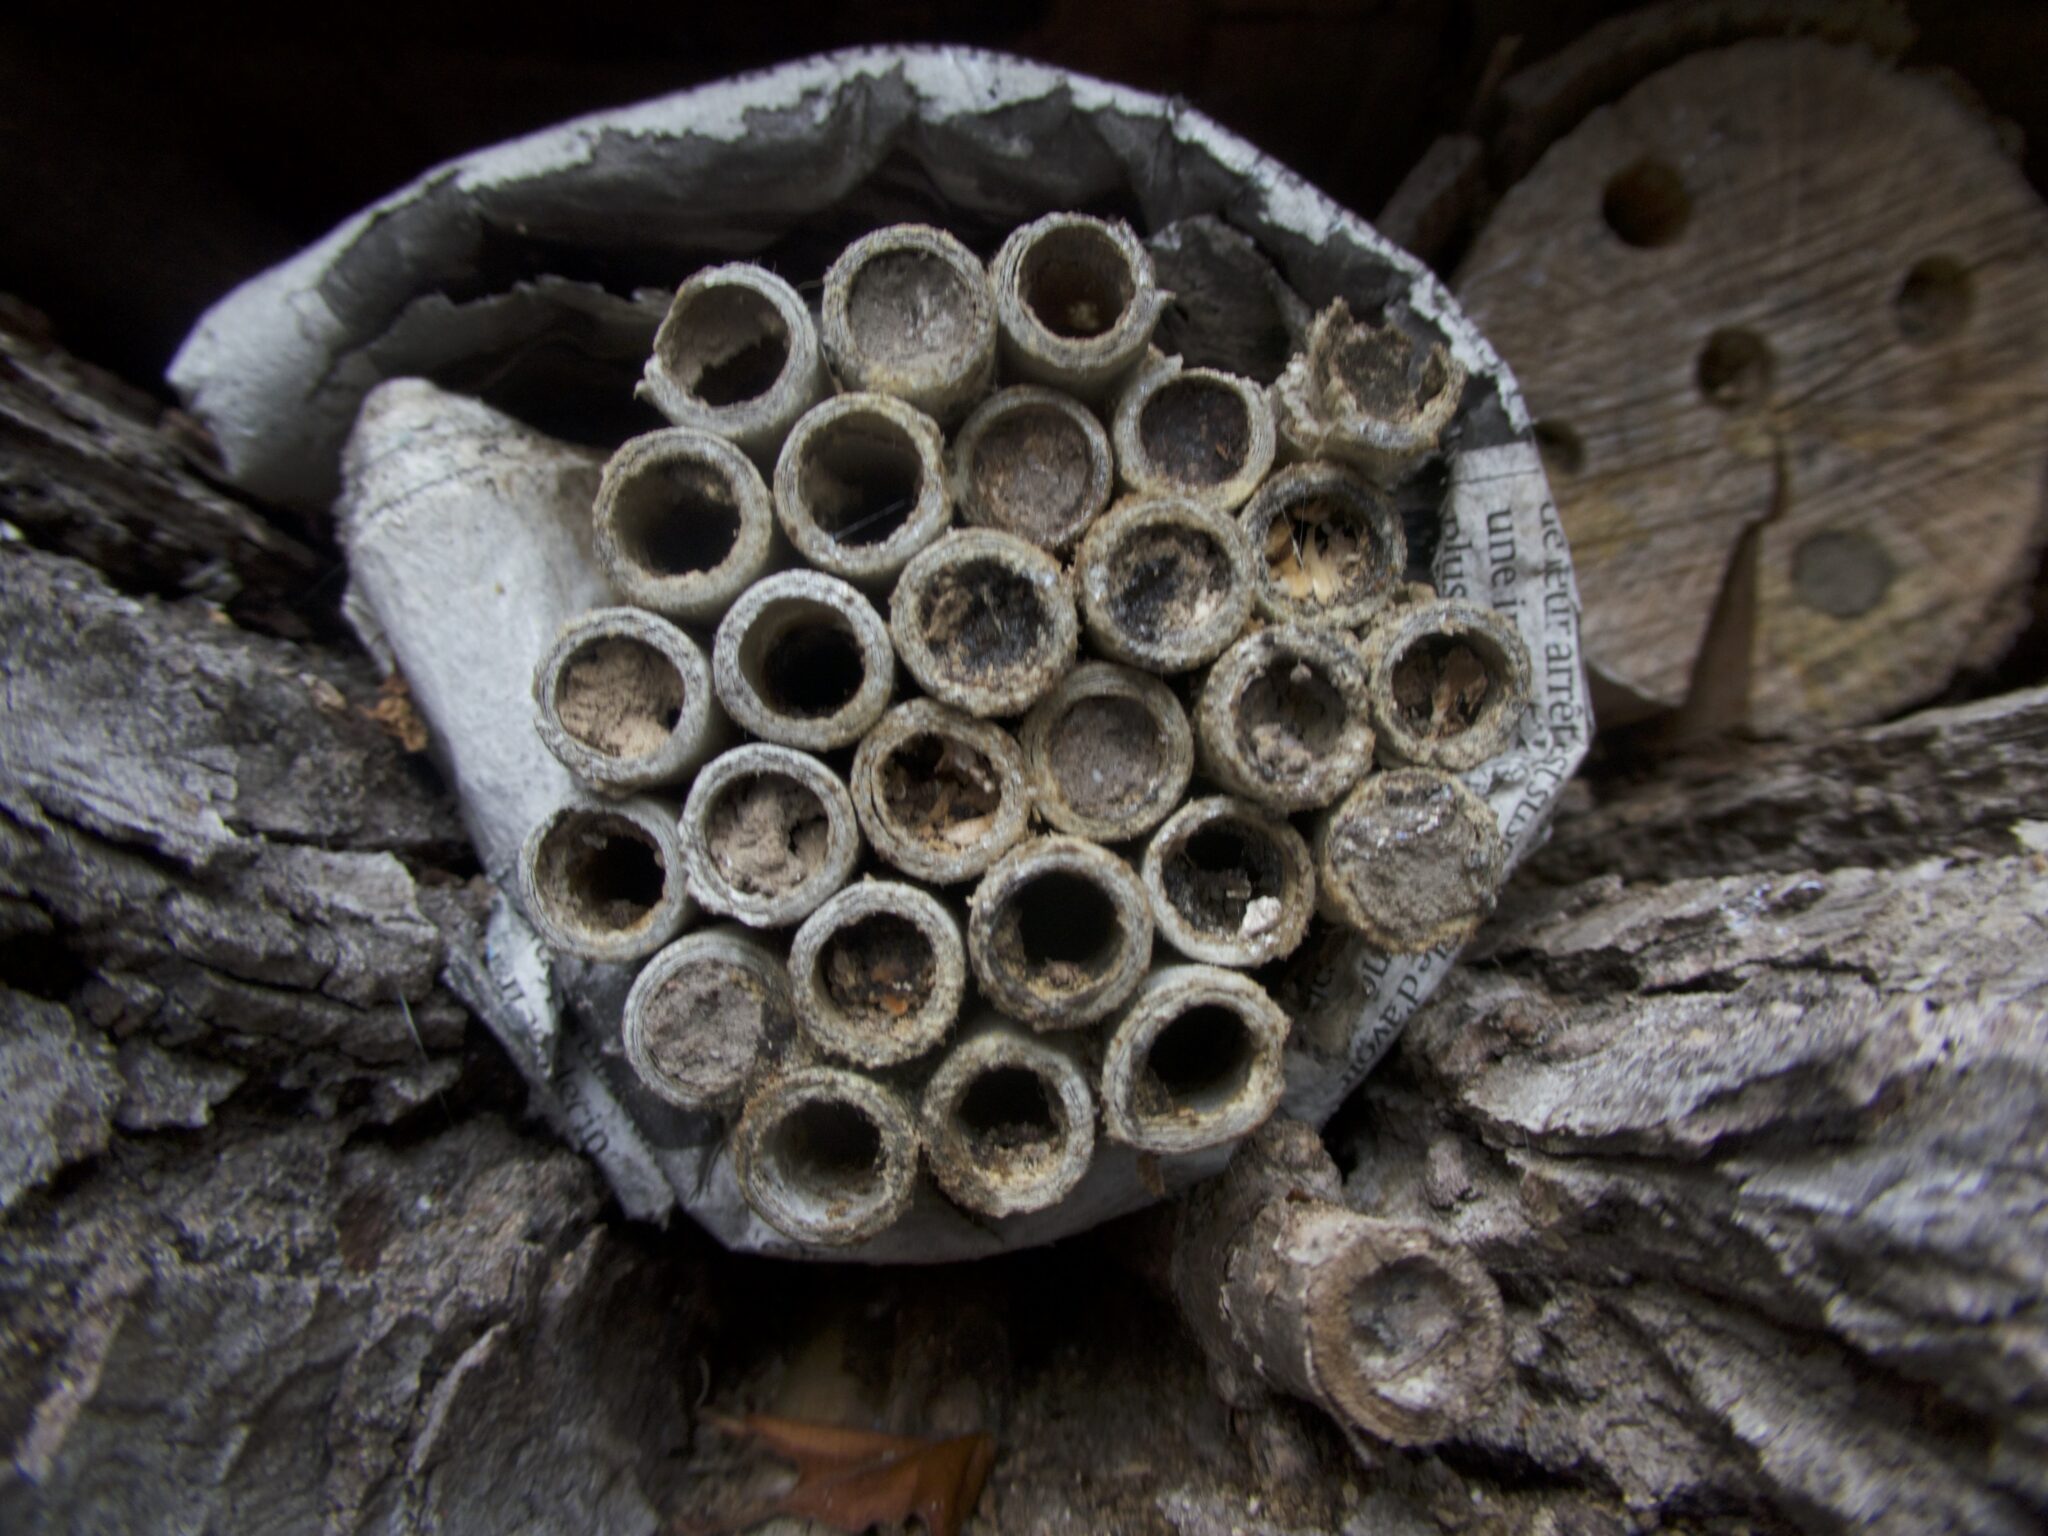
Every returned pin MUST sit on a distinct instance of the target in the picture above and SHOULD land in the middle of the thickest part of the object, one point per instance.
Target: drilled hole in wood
(1563, 450)
(1842, 573)
(1934, 302)
(1646, 203)
(1735, 370)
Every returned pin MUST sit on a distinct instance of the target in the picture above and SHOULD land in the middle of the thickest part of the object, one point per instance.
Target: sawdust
(940, 792)
(767, 834)
(619, 696)
(1440, 687)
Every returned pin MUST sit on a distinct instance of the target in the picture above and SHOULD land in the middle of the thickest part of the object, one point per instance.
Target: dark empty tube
(1008, 1121)
(1058, 933)
(1230, 884)
(908, 312)
(1076, 303)
(1366, 394)
(1033, 462)
(804, 660)
(1110, 752)
(1164, 584)
(1412, 859)
(826, 1156)
(683, 523)
(707, 1017)
(877, 973)
(1282, 717)
(1327, 547)
(1195, 433)
(1194, 1062)
(605, 881)
(768, 833)
(624, 701)
(1449, 682)
(940, 794)
(984, 621)
(861, 487)
(737, 355)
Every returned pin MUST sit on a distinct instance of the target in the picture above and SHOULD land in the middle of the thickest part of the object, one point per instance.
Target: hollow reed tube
(1282, 719)
(707, 1017)
(683, 523)
(940, 794)
(1058, 932)
(1194, 1062)
(908, 312)
(624, 701)
(803, 660)
(768, 833)
(860, 487)
(1164, 584)
(826, 1156)
(1230, 884)
(1449, 682)
(605, 881)
(878, 972)
(1411, 859)
(1008, 1121)
(1110, 752)
(1198, 434)
(984, 622)
(1076, 303)
(1033, 462)
(736, 355)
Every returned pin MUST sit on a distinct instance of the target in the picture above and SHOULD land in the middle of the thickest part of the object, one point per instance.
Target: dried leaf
(851, 1479)
(394, 711)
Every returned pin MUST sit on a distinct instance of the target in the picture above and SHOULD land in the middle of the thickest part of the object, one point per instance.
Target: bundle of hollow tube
(1028, 695)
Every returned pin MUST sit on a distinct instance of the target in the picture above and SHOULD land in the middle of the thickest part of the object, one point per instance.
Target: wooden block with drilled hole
(1781, 314)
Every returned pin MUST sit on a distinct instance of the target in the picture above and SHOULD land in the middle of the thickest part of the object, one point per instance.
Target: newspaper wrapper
(527, 274)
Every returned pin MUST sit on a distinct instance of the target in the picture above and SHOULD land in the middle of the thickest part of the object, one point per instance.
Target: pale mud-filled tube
(1059, 933)
(985, 622)
(1033, 462)
(1412, 860)
(860, 487)
(1110, 752)
(1194, 1062)
(683, 523)
(1448, 682)
(1327, 547)
(624, 700)
(940, 794)
(707, 1018)
(1165, 584)
(1076, 303)
(737, 355)
(605, 881)
(1230, 884)
(1196, 433)
(768, 833)
(803, 660)
(877, 973)
(1282, 718)
(908, 312)
(1368, 394)
(826, 1156)
(1008, 1121)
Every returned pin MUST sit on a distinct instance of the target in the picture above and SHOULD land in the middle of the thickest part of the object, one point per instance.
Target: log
(1780, 313)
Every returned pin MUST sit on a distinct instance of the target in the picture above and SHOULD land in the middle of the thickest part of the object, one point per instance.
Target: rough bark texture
(1739, 1100)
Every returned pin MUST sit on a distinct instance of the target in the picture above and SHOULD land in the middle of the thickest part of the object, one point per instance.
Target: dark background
(148, 165)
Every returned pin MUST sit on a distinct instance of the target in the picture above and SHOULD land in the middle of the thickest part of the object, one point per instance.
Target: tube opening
(940, 790)
(1009, 1115)
(1442, 684)
(1214, 876)
(1166, 580)
(601, 872)
(619, 696)
(1031, 473)
(861, 480)
(1401, 1315)
(1061, 930)
(1196, 431)
(767, 833)
(1290, 718)
(1322, 550)
(910, 309)
(702, 1028)
(802, 659)
(979, 616)
(827, 1147)
(1106, 754)
(1935, 300)
(1199, 1062)
(1385, 373)
(1076, 281)
(726, 344)
(676, 519)
(879, 969)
